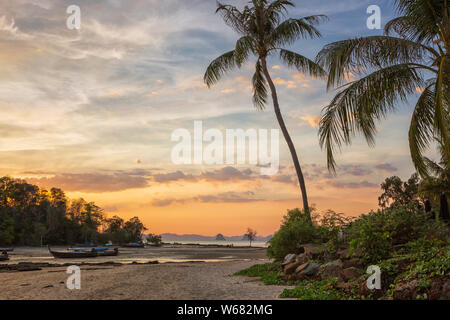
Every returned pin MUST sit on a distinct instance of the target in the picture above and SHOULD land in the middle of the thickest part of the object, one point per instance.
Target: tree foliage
(413, 55)
(30, 215)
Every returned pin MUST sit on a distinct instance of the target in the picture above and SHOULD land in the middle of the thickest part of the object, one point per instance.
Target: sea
(256, 244)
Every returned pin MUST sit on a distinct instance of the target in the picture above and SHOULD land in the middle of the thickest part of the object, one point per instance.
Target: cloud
(227, 174)
(355, 170)
(94, 182)
(172, 176)
(313, 121)
(223, 197)
(285, 178)
(352, 185)
(387, 167)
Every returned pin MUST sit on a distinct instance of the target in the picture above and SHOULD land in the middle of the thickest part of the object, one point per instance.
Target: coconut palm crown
(265, 29)
(412, 56)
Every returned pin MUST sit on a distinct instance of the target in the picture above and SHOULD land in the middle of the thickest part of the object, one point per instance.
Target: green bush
(295, 229)
(374, 234)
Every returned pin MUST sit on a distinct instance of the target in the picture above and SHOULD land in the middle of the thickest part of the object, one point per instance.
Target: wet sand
(181, 280)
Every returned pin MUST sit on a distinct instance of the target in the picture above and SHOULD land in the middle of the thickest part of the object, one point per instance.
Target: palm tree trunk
(288, 139)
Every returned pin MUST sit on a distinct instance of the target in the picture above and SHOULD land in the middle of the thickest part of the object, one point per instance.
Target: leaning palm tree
(391, 68)
(264, 30)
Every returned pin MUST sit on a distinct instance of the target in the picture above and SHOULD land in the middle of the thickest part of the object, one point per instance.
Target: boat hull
(73, 255)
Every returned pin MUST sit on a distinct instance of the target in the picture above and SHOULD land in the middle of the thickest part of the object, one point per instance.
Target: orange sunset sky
(92, 111)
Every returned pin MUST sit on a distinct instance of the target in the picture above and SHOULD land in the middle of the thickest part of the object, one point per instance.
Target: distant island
(220, 237)
(169, 237)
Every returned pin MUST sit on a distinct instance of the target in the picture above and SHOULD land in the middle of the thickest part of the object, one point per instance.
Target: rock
(290, 258)
(290, 268)
(311, 270)
(331, 269)
(406, 290)
(351, 273)
(313, 251)
(302, 258)
(301, 268)
(355, 263)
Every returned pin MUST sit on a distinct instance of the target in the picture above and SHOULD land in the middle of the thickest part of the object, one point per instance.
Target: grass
(269, 274)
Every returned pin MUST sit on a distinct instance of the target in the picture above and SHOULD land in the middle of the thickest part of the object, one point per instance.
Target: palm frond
(233, 17)
(244, 46)
(259, 87)
(361, 54)
(302, 64)
(421, 129)
(361, 103)
(441, 114)
(291, 30)
(426, 19)
(218, 67)
(277, 9)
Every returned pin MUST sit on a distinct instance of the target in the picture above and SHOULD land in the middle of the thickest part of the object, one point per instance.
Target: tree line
(30, 215)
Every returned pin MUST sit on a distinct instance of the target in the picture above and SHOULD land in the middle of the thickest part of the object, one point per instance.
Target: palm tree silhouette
(392, 68)
(264, 30)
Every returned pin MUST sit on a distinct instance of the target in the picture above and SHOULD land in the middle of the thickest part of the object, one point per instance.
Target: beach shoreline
(114, 280)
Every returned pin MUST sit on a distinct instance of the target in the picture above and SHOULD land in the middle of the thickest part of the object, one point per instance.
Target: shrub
(374, 234)
(295, 229)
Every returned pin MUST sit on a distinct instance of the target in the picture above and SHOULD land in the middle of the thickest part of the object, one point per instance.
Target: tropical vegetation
(30, 215)
(413, 56)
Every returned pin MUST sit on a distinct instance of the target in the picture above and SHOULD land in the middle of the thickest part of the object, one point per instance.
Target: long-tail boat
(108, 253)
(73, 255)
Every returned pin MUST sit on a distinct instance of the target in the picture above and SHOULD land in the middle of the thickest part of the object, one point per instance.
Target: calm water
(255, 244)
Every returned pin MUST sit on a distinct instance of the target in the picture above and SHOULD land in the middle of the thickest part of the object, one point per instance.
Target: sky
(92, 111)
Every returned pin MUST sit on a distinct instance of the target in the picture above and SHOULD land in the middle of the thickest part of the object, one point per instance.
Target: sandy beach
(142, 281)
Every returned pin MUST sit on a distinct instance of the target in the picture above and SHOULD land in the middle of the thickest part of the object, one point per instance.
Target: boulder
(313, 251)
(355, 263)
(290, 258)
(309, 271)
(331, 269)
(290, 268)
(301, 267)
(302, 258)
(351, 273)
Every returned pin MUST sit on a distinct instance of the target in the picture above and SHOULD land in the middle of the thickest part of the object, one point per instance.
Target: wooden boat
(87, 249)
(73, 255)
(108, 253)
(6, 249)
(4, 256)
